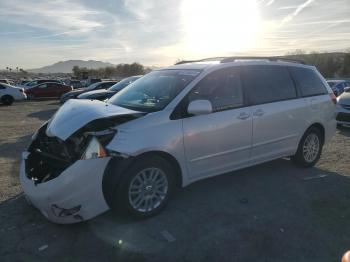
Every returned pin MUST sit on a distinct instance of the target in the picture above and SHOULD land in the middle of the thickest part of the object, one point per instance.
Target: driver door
(220, 141)
(42, 90)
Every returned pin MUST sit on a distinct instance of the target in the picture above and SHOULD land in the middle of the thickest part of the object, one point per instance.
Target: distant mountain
(67, 66)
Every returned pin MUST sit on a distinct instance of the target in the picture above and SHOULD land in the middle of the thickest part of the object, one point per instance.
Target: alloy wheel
(311, 148)
(148, 189)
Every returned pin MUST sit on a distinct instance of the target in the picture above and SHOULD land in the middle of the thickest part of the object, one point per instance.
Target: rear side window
(268, 84)
(308, 81)
(222, 88)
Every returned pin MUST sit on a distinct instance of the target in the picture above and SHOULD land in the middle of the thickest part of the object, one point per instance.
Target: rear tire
(7, 100)
(309, 149)
(30, 96)
(145, 188)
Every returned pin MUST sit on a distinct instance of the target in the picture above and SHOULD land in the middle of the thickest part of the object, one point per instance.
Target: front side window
(222, 88)
(154, 91)
(268, 84)
(33, 83)
(42, 86)
(309, 82)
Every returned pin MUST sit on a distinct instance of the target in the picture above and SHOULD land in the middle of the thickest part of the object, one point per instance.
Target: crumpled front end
(63, 179)
(62, 170)
(73, 196)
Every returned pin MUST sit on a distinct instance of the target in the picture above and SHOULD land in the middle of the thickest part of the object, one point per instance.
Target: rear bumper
(74, 196)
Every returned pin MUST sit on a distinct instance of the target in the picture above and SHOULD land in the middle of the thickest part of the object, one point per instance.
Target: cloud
(54, 15)
(300, 8)
(39, 32)
(270, 2)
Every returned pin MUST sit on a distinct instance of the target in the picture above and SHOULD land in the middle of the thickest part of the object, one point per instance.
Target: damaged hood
(75, 114)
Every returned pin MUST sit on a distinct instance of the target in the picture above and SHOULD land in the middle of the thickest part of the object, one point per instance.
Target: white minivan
(171, 128)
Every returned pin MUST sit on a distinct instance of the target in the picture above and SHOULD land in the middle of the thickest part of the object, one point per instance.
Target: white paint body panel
(80, 184)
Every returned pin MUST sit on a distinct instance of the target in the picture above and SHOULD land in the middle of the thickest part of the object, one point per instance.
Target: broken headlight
(94, 150)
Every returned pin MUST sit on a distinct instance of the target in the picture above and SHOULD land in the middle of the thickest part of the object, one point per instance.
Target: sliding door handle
(243, 116)
(259, 112)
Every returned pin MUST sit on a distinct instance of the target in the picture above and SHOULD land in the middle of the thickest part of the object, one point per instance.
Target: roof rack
(201, 60)
(271, 58)
(235, 58)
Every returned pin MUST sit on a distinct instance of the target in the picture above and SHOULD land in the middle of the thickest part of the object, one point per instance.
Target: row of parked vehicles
(46, 88)
(173, 127)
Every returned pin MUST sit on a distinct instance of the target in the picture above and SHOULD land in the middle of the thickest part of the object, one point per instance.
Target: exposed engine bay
(50, 156)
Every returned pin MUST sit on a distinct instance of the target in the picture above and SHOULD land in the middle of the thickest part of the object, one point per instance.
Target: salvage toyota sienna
(173, 127)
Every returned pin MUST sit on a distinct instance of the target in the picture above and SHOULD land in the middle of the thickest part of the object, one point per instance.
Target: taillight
(333, 97)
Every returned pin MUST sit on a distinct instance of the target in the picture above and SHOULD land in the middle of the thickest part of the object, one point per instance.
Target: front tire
(310, 148)
(146, 187)
(7, 100)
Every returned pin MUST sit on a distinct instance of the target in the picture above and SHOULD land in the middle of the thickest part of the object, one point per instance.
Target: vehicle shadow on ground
(30, 237)
(43, 115)
(271, 212)
(14, 149)
(54, 103)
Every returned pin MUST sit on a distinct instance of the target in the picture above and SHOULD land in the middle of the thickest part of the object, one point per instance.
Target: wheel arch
(117, 167)
(320, 127)
(171, 159)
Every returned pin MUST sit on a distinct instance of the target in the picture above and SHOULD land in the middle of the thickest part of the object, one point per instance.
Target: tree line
(330, 65)
(121, 70)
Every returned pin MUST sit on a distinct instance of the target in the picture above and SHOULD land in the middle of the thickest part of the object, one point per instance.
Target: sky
(35, 33)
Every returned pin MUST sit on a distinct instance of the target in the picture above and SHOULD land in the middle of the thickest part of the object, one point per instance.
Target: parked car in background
(95, 86)
(94, 80)
(48, 89)
(8, 94)
(103, 94)
(75, 84)
(338, 86)
(24, 82)
(4, 81)
(39, 81)
(343, 109)
(171, 128)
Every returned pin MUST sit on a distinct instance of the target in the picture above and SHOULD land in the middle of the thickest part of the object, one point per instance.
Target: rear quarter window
(267, 84)
(308, 81)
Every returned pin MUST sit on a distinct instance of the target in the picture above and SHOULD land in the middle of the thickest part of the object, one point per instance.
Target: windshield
(92, 86)
(332, 83)
(123, 83)
(33, 83)
(154, 91)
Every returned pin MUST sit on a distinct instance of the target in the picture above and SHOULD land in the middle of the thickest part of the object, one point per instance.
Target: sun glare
(220, 26)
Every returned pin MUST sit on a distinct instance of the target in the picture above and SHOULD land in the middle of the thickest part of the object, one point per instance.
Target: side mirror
(200, 107)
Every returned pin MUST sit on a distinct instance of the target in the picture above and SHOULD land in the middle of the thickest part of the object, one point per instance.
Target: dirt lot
(271, 212)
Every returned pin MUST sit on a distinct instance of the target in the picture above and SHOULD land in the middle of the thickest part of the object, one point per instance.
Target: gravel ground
(265, 213)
